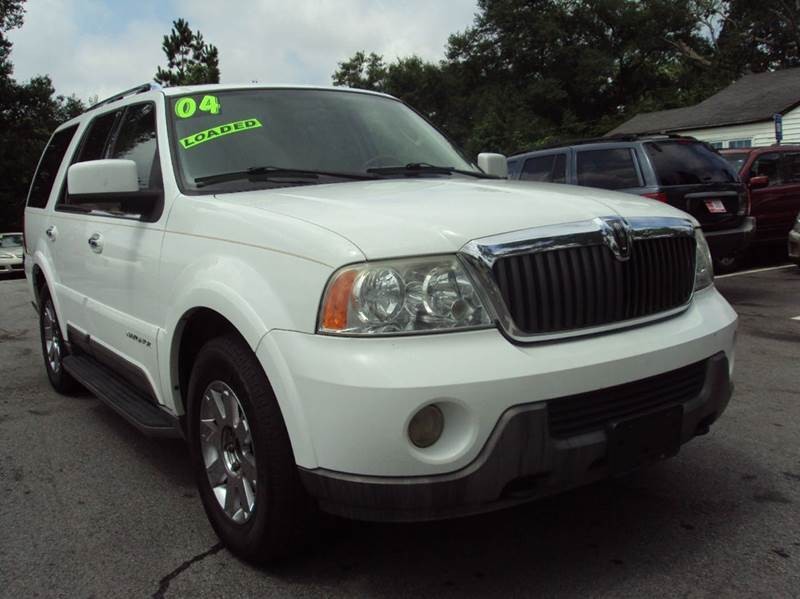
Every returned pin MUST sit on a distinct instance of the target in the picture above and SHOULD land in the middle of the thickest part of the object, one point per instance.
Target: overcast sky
(100, 47)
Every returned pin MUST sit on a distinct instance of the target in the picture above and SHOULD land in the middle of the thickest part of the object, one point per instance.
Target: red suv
(772, 176)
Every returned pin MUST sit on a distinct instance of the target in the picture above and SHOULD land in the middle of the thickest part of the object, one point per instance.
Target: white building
(739, 116)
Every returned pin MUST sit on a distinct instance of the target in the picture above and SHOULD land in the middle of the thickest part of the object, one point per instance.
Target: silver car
(10, 253)
(794, 242)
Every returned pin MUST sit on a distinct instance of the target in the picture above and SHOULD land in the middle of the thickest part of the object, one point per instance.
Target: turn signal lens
(337, 302)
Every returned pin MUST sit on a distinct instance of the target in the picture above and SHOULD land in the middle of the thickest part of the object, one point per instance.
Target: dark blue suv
(680, 171)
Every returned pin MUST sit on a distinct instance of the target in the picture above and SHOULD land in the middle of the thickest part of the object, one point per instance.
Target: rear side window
(51, 160)
(768, 165)
(612, 168)
(137, 141)
(549, 169)
(680, 162)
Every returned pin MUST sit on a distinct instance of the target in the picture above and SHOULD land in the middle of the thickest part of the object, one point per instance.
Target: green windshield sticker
(218, 131)
(186, 107)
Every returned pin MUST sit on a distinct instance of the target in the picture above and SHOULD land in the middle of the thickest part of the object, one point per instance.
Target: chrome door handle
(51, 232)
(96, 243)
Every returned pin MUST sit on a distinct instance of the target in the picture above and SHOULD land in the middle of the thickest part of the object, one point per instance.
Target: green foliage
(29, 112)
(190, 60)
(529, 72)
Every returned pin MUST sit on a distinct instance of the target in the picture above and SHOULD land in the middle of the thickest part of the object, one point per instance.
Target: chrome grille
(592, 275)
(579, 287)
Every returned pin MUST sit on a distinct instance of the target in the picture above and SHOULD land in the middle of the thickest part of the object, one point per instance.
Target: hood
(402, 217)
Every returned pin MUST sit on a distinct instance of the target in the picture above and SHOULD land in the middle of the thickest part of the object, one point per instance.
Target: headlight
(8, 256)
(396, 297)
(704, 271)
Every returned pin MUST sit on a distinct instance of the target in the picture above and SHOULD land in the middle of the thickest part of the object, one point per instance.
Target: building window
(717, 145)
(740, 143)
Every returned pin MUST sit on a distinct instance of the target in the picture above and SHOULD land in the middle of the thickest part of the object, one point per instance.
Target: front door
(119, 251)
(123, 304)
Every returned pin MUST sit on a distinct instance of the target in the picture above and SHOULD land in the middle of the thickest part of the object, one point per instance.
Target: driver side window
(768, 165)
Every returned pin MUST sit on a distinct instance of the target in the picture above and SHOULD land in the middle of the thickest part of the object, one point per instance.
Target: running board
(130, 403)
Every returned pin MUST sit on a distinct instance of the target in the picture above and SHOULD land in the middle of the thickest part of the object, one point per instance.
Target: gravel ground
(92, 508)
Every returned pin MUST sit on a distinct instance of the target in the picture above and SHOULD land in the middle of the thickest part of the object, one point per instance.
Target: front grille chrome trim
(480, 256)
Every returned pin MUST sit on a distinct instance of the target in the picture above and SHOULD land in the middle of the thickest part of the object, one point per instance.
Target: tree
(190, 60)
(533, 71)
(29, 112)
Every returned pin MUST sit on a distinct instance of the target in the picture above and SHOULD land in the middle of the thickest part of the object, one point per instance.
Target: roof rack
(139, 89)
(608, 139)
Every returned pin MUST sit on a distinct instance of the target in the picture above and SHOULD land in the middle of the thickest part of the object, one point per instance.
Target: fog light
(426, 426)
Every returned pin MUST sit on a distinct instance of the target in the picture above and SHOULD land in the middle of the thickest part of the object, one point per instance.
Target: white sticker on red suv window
(716, 207)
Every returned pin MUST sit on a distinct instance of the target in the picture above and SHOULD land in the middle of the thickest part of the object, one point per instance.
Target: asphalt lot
(92, 508)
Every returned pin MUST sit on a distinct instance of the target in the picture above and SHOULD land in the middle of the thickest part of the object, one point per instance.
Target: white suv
(341, 312)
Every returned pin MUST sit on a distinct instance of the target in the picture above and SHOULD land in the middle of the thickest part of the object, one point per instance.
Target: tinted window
(768, 165)
(45, 175)
(11, 240)
(95, 140)
(551, 169)
(136, 141)
(791, 167)
(736, 160)
(681, 162)
(608, 169)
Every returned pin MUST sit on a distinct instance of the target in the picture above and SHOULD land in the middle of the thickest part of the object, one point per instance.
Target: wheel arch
(42, 277)
(198, 325)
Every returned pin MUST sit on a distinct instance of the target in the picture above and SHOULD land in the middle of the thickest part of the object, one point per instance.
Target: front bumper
(8, 265)
(347, 402)
(794, 246)
(728, 242)
(520, 462)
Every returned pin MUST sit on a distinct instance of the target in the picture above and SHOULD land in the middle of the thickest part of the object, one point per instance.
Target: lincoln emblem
(617, 236)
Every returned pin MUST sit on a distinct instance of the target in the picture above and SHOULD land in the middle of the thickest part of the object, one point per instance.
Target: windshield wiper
(417, 168)
(268, 173)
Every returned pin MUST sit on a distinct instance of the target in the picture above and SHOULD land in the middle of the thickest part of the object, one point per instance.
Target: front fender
(239, 289)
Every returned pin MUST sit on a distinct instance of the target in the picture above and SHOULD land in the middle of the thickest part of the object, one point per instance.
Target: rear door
(614, 167)
(699, 181)
(776, 205)
(545, 168)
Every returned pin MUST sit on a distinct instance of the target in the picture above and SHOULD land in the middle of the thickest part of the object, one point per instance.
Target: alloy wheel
(226, 444)
(52, 338)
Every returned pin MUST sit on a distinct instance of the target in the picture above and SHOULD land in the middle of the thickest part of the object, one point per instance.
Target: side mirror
(112, 185)
(758, 182)
(493, 164)
(102, 177)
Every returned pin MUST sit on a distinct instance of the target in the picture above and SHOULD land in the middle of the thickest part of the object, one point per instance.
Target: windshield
(304, 130)
(736, 160)
(686, 162)
(11, 241)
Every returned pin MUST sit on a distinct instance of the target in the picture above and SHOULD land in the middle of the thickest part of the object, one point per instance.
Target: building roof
(753, 98)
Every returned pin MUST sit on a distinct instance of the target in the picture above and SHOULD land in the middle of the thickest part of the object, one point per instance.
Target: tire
(229, 395)
(54, 350)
